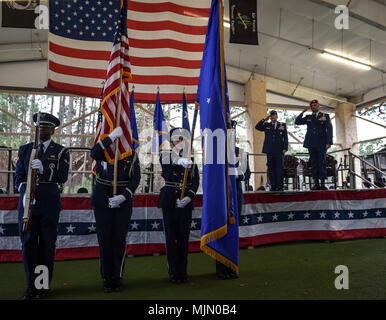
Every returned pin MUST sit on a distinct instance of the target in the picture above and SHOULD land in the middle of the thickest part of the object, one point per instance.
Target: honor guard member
(177, 214)
(243, 174)
(275, 146)
(243, 171)
(318, 140)
(52, 163)
(113, 213)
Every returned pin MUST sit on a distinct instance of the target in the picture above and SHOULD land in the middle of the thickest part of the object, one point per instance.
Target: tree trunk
(68, 119)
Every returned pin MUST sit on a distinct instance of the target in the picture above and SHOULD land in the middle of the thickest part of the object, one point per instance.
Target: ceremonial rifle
(32, 181)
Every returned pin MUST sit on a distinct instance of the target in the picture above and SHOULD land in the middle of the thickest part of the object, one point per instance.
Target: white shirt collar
(46, 144)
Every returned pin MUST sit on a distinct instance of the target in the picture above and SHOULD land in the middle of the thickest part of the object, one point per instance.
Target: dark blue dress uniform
(239, 178)
(220, 268)
(177, 221)
(276, 140)
(112, 224)
(319, 134)
(39, 243)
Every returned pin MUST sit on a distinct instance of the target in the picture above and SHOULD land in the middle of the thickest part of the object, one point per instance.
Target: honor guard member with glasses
(113, 213)
(52, 163)
(275, 146)
(318, 140)
(177, 214)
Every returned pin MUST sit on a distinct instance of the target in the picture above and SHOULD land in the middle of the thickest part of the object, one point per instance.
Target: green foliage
(371, 147)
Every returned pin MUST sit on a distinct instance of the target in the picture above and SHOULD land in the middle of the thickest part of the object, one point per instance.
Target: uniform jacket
(241, 177)
(276, 140)
(55, 160)
(174, 173)
(319, 130)
(128, 174)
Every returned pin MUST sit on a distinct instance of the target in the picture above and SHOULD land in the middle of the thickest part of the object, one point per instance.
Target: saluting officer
(275, 146)
(177, 214)
(39, 243)
(318, 140)
(113, 213)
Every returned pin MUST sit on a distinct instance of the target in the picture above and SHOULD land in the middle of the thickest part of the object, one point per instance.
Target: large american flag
(115, 92)
(166, 44)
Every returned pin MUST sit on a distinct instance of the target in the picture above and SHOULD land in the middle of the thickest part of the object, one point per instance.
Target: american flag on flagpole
(166, 44)
(115, 89)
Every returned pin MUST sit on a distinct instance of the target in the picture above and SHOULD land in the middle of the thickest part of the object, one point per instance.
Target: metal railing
(151, 180)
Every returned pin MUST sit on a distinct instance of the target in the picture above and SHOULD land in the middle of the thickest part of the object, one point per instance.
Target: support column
(347, 135)
(255, 101)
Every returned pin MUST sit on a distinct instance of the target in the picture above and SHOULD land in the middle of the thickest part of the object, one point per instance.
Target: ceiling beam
(329, 4)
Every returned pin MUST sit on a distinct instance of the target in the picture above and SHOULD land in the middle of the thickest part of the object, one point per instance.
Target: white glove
(114, 202)
(37, 164)
(186, 163)
(183, 203)
(117, 133)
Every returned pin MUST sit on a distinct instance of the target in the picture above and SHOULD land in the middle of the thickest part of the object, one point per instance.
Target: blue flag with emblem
(133, 124)
(219, 225)
(185, 114)
(160, 133)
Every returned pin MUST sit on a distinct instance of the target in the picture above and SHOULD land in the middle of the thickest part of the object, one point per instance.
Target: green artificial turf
(300, 270)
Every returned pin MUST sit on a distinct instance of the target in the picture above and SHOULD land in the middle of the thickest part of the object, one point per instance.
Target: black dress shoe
(107, 286)
(223, 275)
(233, 275)
(29, 294)
(117, 284)
(42, 293)
(185, 279)
(173, 278)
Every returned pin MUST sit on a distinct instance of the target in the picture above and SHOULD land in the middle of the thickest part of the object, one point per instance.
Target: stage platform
(266, 218)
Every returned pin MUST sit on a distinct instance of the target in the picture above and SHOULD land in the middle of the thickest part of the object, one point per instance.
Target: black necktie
(41, 151)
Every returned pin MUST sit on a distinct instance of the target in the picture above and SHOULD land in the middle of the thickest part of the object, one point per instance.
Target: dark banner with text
(19, 14)
(243, 21)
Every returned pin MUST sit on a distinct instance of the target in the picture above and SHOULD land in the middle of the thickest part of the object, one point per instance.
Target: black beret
(273, 112)
(47, 119)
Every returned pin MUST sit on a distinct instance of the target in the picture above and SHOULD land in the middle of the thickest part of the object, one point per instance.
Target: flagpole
(196, 107)
(231, 220)
(117, 123)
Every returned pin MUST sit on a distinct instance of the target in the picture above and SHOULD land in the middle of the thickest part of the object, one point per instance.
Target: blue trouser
(177, 224)
(39, 243)
(275, 164)
(318, 163)
(112, 226)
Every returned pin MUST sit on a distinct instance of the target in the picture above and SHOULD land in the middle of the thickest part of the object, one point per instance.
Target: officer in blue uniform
(275, 146)
(113, 213)
(318, 140)
(243, 173)
(39, 243)
(177, 214)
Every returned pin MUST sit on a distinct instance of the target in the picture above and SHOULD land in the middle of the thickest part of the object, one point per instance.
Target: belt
(175, 184)
(110, 183)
